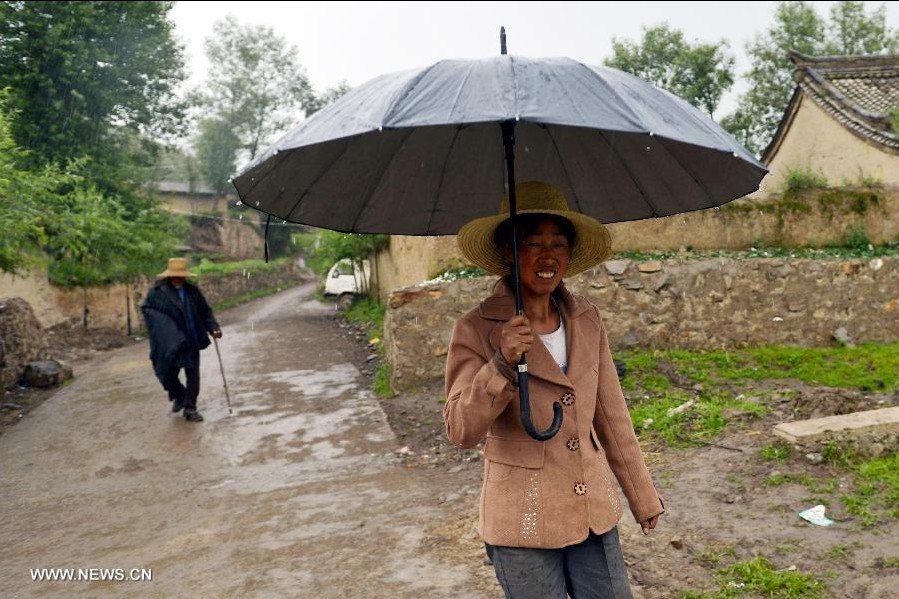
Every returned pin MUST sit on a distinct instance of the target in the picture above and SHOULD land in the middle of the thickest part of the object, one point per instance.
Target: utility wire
(214, 217)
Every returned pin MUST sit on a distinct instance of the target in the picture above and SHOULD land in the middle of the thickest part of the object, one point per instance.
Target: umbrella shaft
(524, 401)
(508, 128)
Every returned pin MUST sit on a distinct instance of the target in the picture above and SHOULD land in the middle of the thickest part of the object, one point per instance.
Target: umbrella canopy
(420, 152)
(423, 152)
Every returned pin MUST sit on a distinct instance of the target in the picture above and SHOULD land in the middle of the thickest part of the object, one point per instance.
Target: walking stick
(222, 368)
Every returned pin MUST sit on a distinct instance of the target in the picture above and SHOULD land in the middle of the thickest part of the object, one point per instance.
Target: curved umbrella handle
(525, 406)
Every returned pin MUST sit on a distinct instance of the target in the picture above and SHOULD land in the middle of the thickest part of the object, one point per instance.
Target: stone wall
(708, 304)
(234, 239)
(218, 288)
(816, 218)
(20, 339)
(111, 306)
(22, 333)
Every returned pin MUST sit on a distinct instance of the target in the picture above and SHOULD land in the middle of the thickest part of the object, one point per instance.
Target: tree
(699, 73)
(256, 85)
(798, 27)
(316, 102)
(177, 164)
(92, 79)
(256, 90)
(55, 217)
(94, 239)
(356, 247)
(851, 31)
(217, 146)
(20, 191)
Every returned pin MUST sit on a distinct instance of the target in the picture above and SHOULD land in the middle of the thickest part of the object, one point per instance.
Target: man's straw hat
(177, 268)
(476, 239)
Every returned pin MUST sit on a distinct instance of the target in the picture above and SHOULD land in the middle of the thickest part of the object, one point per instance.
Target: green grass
(839, 552)
(758, 577)
(704, 377)
(246, 297)
(867, 367)
(875, 498)
(775, 452)
(714, 555)
(381, 384)
(454, 274)
(206, 267)
(852, 249)
(702, 421)
(369, 314)
(788, 547)
(872, 497)
(799, 179)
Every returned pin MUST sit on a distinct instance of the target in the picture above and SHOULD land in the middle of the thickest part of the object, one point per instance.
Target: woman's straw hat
(177, 268)
(477, 243)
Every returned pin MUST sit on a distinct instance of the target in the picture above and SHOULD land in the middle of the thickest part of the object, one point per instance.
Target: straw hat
(476, 239)
(177, 268)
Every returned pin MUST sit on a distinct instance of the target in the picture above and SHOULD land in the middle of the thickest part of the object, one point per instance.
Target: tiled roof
(860, 92)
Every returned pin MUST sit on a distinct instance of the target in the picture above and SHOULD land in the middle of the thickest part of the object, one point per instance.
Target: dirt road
(298, 493)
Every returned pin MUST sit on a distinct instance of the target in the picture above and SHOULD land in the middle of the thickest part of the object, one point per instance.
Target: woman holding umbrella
(549, 510)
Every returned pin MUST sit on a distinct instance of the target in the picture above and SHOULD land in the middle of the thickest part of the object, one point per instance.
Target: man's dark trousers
(189, 391)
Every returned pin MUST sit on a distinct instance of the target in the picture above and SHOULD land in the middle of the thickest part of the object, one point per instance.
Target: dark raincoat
(171, 343)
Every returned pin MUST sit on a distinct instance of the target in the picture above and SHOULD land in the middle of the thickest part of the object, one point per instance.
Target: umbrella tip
(502, 41)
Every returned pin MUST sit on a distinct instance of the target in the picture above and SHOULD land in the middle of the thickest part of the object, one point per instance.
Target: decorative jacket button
(568, 399)
(580, 489)
(573, 443)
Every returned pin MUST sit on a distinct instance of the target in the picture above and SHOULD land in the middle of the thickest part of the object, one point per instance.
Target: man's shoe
(193, 416)
(177, 405)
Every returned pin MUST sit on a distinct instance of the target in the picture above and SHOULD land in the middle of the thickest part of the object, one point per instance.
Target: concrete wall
(409, 260)
(816, 218)
(707, 304)
(817, 142)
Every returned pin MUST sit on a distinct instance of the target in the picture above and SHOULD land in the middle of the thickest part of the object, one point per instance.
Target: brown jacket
(547, 494)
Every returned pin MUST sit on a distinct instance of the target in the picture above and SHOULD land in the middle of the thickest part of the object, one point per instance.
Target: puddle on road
(305, 424)
(322, 508)
(286, 305)
(327, 383)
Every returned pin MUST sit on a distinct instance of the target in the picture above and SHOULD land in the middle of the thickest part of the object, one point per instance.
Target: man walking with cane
(179, 321)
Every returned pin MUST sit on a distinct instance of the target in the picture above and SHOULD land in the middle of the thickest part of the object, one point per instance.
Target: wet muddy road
(297, 494)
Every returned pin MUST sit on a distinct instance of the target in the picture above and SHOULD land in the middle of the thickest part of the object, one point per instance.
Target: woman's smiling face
(543, 257)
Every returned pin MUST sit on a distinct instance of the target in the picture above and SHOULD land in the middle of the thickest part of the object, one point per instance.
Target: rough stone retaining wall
(223, 287)
(708, 304)
(816, 218)
(22, 333)
(20, 339)
(109, 306)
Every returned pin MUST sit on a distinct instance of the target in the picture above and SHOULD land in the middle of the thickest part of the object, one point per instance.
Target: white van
(346, 282)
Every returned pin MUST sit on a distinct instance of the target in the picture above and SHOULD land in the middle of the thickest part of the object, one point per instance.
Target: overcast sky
(356, 41)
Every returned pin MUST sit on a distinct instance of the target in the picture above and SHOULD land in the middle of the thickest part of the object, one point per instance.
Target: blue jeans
(592, 569)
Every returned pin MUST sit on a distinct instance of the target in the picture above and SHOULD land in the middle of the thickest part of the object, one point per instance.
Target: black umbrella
(424, 151)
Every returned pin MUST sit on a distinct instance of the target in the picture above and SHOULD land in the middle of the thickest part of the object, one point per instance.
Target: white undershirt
(555, 342)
